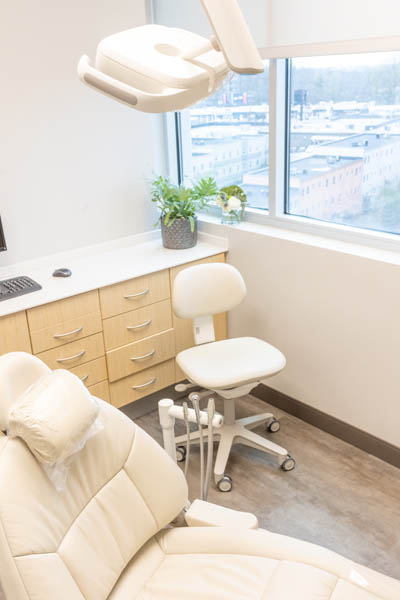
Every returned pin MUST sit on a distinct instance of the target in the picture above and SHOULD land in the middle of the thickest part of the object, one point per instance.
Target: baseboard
(348, 433)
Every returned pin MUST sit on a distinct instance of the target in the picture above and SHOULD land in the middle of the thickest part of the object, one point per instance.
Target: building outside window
(346, 112)
(342, 134)
(230, 129)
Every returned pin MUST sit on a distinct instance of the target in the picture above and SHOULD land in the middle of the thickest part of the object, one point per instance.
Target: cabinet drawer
(63, 310)
(135, 293)
(140, 355)
(101, 390)
(137, 324)
(141, 384)
(14, 333)
(92, 372)
(62, 333)
(74, 353)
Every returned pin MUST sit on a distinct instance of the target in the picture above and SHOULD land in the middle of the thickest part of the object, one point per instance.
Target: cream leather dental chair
(231, 368)
(104, 536)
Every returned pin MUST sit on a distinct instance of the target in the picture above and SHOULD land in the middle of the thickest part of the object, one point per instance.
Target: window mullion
(277, 137)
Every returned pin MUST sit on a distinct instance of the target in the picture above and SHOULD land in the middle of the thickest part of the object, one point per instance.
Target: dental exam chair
(106, 533)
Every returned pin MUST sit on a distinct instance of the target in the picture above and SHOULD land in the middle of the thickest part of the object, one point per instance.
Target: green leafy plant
(181, 202)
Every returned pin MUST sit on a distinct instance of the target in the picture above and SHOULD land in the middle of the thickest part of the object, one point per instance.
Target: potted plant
(178, 205)
(232, 200)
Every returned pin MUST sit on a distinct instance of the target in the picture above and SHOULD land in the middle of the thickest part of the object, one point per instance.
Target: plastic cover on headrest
(18, 371)
(55, 417)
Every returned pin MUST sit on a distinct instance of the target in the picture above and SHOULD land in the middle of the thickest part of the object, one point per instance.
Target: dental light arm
(159, 69)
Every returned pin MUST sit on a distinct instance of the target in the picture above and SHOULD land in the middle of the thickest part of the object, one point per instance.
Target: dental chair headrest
(54, 416)
(18, 371)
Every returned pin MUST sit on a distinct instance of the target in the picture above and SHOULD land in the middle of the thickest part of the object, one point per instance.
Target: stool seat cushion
(230, 363)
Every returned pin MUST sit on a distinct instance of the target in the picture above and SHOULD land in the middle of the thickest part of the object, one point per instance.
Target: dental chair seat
(105, 536)
(215, 563)
(228, 363)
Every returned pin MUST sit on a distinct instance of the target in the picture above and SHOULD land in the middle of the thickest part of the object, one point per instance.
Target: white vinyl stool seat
(232, 362)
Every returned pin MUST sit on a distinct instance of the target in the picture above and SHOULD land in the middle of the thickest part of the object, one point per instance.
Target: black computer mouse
(62, 273)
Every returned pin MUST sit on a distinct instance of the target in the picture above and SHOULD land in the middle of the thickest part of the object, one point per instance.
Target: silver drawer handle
(128, 296)
(84, 377)
(137, 387)
(62, 335)
(152, 353)
(145, 324)
(61, 360)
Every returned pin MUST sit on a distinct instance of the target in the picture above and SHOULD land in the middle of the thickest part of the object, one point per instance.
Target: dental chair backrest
(121, 489)
(18, 371)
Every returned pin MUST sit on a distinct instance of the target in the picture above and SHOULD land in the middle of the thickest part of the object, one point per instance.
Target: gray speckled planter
(178, 235)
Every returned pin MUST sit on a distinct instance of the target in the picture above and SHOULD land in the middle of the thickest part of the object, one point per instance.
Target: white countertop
(101, 265)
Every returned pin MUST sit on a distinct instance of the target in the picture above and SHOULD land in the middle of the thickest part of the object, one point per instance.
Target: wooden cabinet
(141, 384)
(63, 311)
(121, 340)
(135, 293)
(139, 355)
(14, 333)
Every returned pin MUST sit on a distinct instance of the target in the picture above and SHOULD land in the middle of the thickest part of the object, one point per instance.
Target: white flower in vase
(233, 203)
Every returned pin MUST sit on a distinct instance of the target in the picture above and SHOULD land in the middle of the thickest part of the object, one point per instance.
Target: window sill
(276, 229)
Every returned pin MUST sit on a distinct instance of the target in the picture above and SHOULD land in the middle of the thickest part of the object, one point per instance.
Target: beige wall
(73, 162)
(336, 318)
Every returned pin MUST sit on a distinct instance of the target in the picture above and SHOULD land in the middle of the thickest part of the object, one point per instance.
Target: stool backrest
(207, 289)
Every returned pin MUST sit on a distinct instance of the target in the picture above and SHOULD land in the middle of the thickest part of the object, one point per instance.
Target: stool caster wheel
(288, 464)
(273, 426)
(225, 484)
(180, 453)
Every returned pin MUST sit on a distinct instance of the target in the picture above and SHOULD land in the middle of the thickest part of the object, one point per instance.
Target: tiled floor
(338, 496)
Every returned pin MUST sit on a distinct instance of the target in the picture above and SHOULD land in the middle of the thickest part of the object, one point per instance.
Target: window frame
(279, 166)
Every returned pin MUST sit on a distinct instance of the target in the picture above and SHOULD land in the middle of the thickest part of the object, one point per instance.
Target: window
(346, 110)
(231, 129)
(334, 151)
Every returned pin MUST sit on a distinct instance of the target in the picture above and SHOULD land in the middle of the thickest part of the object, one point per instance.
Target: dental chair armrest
(205, 514)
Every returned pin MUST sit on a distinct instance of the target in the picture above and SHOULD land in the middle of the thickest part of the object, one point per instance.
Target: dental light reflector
(159, 69)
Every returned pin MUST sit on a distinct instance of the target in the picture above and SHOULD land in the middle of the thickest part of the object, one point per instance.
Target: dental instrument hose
(187, 424)
(210, 445)
(195, 398)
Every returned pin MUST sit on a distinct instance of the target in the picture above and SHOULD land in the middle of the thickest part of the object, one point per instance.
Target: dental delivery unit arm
(158, 69)
(169, 412)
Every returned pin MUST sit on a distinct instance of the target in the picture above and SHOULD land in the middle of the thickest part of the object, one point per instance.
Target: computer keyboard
(17, 286)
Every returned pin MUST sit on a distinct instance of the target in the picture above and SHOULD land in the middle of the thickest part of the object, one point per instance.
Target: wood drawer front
(101, 390)
(63, 333)
(14, 333)
(92, 372)
(137, 324)
(62, 311)
(135, 293)
(127, 360)
(141, 384)
(83, 351)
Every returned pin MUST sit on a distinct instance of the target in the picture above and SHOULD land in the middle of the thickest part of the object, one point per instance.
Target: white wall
(189, 14)
(336, 318)
(72, 162)
(292, 22)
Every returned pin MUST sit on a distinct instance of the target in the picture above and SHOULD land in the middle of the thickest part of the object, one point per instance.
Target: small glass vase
(233, 217)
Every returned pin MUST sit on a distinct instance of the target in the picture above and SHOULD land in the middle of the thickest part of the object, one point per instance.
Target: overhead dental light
(158, 69)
